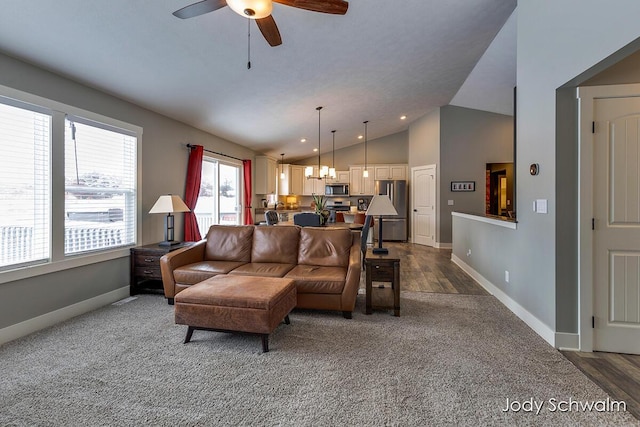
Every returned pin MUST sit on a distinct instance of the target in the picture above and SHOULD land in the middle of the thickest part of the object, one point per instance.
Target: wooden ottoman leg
(265, 342)
(189, 333)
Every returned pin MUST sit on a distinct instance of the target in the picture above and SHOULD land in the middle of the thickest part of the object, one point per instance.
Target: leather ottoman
(226, 303)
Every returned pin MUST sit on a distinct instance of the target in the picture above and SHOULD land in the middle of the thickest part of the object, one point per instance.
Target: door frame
(586, 96)
(435, 207)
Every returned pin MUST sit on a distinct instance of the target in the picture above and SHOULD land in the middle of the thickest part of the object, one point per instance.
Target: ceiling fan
(260, 11)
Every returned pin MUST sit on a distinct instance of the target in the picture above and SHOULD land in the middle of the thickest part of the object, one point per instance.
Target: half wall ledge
(489, 219)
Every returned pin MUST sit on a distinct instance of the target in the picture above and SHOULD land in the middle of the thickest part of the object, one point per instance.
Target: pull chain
(248, 44)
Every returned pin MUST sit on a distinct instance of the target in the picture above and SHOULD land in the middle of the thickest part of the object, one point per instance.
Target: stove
(337, 205)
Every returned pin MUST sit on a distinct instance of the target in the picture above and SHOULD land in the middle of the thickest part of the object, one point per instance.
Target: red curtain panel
(194, 176)
(246, 169)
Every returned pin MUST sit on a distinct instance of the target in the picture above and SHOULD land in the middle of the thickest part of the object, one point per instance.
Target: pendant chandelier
(323, 171)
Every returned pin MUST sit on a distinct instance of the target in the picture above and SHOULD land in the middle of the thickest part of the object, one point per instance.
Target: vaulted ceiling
(381, 60)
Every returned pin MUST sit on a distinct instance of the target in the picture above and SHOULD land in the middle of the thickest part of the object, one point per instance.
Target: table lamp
(169, 203)
(381, 205)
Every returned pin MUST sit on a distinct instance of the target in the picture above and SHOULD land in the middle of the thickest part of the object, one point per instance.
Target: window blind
(100, 186)
(24, 185)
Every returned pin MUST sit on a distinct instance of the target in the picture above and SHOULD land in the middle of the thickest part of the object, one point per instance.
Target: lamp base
(380, 251)
(169, 243)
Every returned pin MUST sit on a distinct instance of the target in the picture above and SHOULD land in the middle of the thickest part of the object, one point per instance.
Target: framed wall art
(463, 186)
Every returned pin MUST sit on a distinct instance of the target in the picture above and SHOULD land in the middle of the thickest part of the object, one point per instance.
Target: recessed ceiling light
(315, 149)
(403, 117)
(303, 140)
(360, 136)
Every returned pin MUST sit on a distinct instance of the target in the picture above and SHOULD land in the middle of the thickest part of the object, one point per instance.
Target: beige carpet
(449, 360)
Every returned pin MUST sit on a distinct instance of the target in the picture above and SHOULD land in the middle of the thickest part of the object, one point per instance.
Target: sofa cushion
(325, 247)
(275, 244)
(265, 269)
(315, 279)
(191, 274)
(229, 243)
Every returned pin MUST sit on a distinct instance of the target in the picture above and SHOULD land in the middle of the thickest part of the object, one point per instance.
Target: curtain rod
(215, 152)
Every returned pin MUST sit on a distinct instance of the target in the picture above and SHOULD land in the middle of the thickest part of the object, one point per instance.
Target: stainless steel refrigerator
(394, 227)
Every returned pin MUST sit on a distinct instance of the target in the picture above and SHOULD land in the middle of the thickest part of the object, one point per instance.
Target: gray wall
(469, 139)
(460, 142)
(164, 163)
(424, 149)
(549, 56)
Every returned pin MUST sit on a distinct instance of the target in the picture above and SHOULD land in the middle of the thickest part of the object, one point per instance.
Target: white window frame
(58, 260)
(212, 158)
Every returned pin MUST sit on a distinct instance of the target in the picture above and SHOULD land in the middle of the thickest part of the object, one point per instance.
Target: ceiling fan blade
(269, 30)
(336, 7)
(199, 8)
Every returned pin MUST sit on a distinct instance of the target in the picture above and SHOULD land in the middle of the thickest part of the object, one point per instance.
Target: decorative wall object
(463, 186)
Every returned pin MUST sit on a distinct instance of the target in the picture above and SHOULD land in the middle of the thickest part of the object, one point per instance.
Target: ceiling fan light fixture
(252, 9)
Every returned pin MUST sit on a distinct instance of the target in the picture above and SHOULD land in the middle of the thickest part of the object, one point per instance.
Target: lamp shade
(381, 205)
(169, 203)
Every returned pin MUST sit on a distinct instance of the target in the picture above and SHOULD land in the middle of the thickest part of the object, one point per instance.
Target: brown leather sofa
(323, 262)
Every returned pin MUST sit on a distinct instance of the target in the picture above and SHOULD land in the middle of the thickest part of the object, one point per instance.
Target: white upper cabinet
(390, 172)
(359, 185)
(266, 171)
(293, 181)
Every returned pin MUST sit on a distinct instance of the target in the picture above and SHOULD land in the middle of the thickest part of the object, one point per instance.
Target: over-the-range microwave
(336, 190)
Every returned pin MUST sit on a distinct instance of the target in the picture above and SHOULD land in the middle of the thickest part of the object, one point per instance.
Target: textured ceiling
(381, 60)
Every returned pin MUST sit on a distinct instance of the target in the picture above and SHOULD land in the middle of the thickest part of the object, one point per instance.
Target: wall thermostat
(534, 169)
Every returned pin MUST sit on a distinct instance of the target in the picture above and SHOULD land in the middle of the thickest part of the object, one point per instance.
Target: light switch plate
(450, 202)
(540, 206)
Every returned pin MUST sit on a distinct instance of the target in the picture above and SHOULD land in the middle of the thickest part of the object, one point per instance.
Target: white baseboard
(30, 326)
(440, 245)
(533, 322)
(567, 341)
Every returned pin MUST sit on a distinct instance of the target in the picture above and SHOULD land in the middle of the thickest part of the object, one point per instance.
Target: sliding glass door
(220, 192)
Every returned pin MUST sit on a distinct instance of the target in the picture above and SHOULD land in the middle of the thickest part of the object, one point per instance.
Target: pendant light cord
(365, 144)
(333, 158)
(248, 44)
(319, 108)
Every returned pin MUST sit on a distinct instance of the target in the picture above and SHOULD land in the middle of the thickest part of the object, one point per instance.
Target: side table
(145, 267)
(382, 268)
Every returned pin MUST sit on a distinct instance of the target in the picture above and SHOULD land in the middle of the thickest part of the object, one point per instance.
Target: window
(68, 186)
(219, 199)
(100, 186)
(24, 185)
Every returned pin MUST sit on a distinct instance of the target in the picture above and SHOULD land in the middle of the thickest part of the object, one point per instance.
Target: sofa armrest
(178, 258)
(352, 281)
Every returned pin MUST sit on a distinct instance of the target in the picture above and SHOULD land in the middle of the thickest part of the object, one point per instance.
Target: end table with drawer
(145, 267)
(382, 268)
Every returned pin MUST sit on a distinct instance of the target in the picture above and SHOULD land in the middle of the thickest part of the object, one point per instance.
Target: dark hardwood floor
(425, 269)
(617, 374)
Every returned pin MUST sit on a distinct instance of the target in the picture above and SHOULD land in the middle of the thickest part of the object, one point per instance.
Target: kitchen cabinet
(359, 185)
(293, 181)
(390, 172)
(312, 185)
(296, 180)
(266, 171)
(342, 177)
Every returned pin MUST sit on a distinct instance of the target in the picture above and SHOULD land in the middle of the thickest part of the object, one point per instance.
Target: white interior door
(423, 195)
(616, 238)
